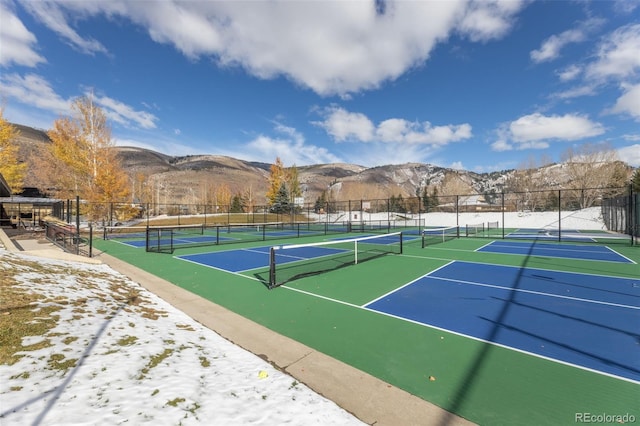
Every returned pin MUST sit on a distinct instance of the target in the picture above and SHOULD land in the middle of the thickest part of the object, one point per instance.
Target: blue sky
(480, 85)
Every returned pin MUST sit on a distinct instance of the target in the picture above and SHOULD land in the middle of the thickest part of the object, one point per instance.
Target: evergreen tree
(321, 202)
(237, 204)
(426, 200)
(279, 176)
(281, 203)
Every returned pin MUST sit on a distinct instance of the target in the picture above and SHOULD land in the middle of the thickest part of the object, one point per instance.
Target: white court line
(478, 339)
(538, 293)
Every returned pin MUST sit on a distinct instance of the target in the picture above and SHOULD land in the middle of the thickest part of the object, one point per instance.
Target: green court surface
(486, 382)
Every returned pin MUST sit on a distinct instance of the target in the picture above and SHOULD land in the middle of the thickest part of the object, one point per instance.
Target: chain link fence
(601, 215)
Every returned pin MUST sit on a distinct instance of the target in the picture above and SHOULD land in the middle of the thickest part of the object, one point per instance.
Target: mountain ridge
(193, 178)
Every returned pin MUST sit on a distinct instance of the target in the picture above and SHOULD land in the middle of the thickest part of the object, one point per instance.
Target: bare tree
(528, 183)
(591, 168)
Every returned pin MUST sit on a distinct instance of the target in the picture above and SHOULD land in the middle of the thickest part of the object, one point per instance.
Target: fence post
(457, 212)
(77, 224)
(560, 215)
(502, 214)
(632, 223)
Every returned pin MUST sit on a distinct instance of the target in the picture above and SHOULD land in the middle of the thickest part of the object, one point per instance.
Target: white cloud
(629, 102)
(343, 125)
(569, 73)
(487, 19)
(538, 127)
(625, 6)
(575, 92)
(616, 59)
(34, 90)
(291, 147)
(536, 131)
(126, 115)
(618, 56)
(333, 48)
(501, 145)
(53, 16)
(377, 153)
(630, 154)
(552, 46)
(16, 40)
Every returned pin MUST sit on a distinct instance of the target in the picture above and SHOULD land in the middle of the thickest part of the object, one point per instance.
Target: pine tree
(237, 204)
(11, 168)
(281, 203)
(321, 202)
(279, 176)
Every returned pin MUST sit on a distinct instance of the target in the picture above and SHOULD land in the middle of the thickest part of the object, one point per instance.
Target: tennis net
(123, 232)
(493, 225)
(431, 236)
(475, 229)
(291, 262)
(166, 238)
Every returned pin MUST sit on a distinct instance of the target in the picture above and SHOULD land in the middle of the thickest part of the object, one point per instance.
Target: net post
(355, 250)
(401, 250)
(272, 268)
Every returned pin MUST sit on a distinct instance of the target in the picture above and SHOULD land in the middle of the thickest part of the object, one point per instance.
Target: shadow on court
(465, 387)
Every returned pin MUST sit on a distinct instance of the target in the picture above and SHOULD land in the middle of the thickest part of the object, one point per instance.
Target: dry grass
(27, 317)
(20, 317)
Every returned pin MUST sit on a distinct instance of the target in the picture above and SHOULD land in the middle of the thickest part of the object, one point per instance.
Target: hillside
(185, 179)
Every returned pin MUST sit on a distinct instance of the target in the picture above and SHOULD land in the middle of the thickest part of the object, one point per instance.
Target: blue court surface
(573, 235)
(564, 251)
(588, 321)
(257, 257)
(246, 259)
(177, 241)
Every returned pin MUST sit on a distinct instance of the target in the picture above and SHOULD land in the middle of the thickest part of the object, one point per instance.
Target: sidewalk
(368, 398)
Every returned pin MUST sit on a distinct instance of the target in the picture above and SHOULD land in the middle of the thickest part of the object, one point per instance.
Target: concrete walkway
(371, 400)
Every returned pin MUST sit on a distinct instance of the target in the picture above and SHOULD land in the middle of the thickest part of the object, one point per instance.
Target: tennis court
(564, 251)
(496, 331)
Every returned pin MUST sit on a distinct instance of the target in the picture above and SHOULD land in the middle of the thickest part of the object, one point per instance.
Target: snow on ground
(119, 354)
(585, 219)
